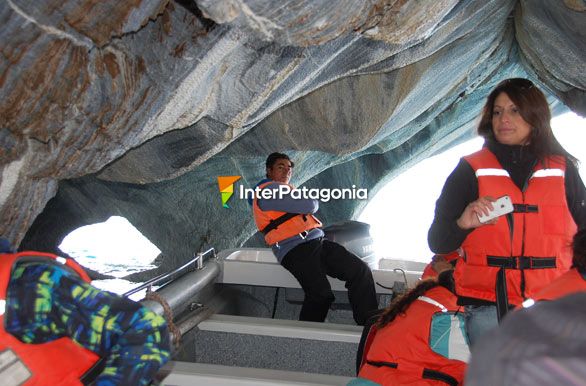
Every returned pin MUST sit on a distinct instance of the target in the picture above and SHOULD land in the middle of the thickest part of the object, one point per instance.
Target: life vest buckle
(525, 208)
(303, 235)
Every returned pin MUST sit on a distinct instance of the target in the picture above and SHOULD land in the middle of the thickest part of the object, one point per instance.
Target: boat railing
(196, 262)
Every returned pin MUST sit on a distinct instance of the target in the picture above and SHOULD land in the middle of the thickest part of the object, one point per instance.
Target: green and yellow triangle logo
(226, 184)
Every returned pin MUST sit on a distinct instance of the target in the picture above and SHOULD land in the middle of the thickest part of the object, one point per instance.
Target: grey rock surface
(134, 108)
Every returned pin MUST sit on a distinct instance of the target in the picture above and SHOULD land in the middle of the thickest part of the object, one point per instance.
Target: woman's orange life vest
(430, 272)
(291, 227)
(531, 244)
(404, 345)
(570, 282)
(59, 362)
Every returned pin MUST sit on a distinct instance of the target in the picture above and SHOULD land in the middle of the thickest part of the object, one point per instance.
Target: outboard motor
(355, 237)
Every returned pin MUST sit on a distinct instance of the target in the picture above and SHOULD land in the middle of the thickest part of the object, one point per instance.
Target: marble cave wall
(134, 108)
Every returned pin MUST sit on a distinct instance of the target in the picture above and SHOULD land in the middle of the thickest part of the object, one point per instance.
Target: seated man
(56, 329)
(297, 241)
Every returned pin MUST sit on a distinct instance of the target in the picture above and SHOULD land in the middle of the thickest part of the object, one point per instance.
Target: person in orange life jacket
(56, 329)
(297, 241)
(575, 279)
(512, 257)
(439, 263)
(419, 340)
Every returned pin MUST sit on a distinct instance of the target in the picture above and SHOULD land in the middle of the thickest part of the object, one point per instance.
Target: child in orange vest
(419, 340)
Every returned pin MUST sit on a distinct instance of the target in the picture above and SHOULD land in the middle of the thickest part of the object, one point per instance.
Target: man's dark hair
(273, 157)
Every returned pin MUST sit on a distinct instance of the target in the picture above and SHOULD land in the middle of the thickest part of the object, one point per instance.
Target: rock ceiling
(133, 108)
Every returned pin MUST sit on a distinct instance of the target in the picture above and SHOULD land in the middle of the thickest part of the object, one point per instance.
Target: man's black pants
(310, 262)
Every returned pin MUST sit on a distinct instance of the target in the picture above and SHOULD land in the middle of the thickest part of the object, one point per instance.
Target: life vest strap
(439, 376)
(392, 365)
(274, 224)
(525, 208)
(521, 262)
(501, 294)
(427, 373)
(92, 373)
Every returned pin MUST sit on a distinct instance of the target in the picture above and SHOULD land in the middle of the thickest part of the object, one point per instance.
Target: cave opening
(114, 248)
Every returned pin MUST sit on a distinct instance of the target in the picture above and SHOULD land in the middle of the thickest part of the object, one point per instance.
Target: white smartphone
(502, 205)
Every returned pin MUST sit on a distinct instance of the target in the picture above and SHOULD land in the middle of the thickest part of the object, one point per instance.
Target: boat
(234, 321)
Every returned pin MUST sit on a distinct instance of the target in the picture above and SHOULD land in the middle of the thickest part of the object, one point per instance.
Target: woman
(510, 258)
(419, 339)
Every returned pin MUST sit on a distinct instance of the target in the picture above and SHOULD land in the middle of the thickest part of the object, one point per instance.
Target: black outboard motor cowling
(355, 237)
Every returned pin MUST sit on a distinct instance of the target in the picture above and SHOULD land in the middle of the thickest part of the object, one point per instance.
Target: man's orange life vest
(526, 249)
(59, 362)
(278, 226)
(570, 282)
(406, 350)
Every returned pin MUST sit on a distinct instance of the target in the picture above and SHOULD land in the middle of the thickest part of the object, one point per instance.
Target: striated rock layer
(134, 108)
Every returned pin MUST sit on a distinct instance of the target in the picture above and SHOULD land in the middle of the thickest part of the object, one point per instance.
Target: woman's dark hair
(534, 109)
(579, 250)
(400, 304)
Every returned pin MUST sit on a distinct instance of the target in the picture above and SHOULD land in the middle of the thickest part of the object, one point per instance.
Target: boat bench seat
(258, 266)
(288, 345)
(189, 374)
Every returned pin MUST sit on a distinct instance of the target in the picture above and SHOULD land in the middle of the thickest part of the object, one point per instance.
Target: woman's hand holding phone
(469, 219)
